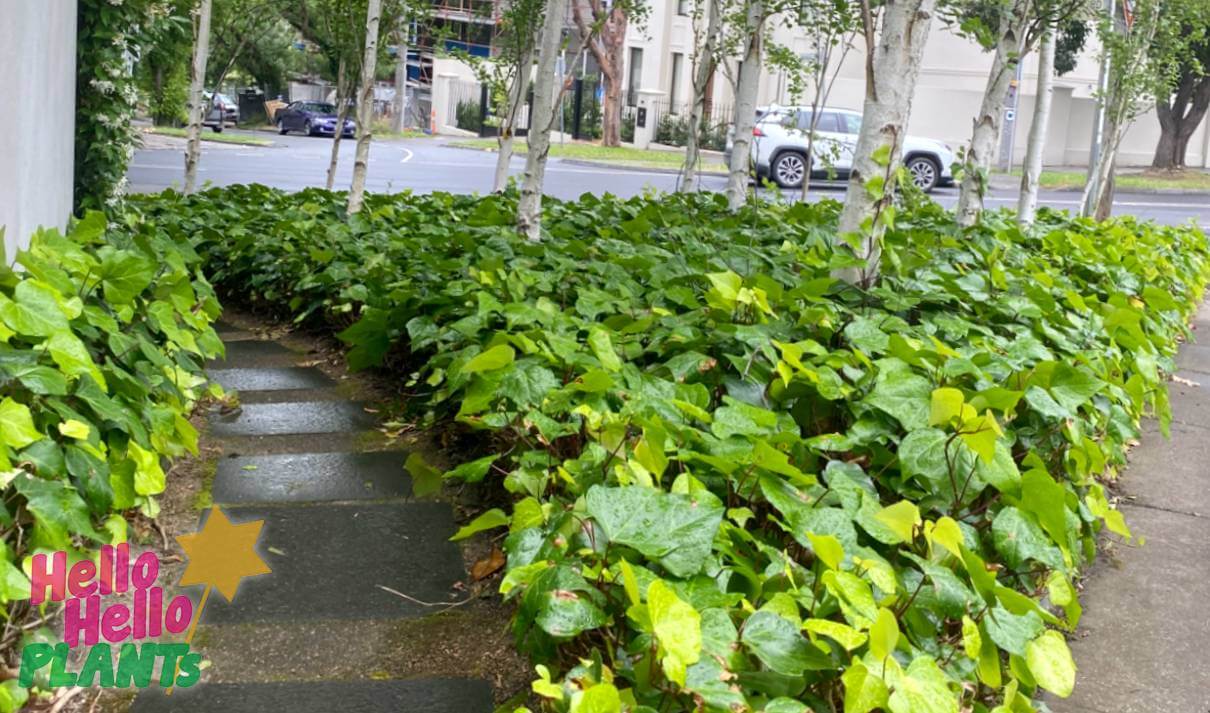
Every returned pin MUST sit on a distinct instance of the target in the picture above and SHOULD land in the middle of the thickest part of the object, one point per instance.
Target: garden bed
(736, 483)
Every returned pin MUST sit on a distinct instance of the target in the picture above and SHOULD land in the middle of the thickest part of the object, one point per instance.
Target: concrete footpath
(1141, 646)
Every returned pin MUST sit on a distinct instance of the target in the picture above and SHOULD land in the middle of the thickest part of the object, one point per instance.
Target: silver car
(779, 148)
(220, 109)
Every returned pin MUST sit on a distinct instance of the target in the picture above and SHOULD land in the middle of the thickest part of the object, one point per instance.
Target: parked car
(779, 148)
(220, 110)
(312, 118)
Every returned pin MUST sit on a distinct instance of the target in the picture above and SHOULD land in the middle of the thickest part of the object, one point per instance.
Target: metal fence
(672, 123)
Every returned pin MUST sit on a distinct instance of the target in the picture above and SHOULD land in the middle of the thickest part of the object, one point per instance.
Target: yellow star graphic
(222, 554)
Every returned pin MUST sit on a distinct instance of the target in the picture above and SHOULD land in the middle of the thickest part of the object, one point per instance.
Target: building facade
(659, 65)
(948, 93)
(38, 78)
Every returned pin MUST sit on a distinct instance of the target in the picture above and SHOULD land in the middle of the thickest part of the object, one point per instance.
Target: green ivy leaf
(17, 424)
(675, 530)
(905, 396)
(780, 647)
(678, 628)
(1051, 664)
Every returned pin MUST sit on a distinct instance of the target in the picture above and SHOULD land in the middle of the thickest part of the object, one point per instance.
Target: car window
(325, 108)
(850, 124)
(828, 121)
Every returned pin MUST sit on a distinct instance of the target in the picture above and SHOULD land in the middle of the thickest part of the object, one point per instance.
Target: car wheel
(281, 127)
(789, 170)
(924, 172)
(218, 128)
(307, 128)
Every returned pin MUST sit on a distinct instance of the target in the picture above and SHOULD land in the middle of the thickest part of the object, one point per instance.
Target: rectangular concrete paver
(1142, 642)
(432, 695)
(271, 379)
(329, 560)
(1196, 357)
(248, 354)
(1191, 402)
(292, 418)
(1141, 645)
(311, 477)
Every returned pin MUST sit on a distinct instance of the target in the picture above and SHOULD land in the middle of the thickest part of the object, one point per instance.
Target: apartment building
(950, 88)
(659, 63)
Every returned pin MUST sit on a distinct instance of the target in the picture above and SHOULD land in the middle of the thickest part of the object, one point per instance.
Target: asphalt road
(425, 165)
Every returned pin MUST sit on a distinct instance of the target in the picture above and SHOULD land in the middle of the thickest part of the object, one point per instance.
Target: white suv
(779, 148)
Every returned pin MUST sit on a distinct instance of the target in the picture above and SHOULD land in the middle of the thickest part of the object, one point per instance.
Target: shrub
(468, 116)
(102, 338)
(737, 484)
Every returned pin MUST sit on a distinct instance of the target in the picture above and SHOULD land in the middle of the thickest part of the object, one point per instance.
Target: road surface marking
(407, 157)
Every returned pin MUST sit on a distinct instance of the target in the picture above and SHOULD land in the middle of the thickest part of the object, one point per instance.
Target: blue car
(312, 118)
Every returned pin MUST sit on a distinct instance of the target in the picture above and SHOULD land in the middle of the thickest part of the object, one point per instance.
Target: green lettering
(136, 665)
(59, 675)
(190, 670)
(34, 657)
(99, 661)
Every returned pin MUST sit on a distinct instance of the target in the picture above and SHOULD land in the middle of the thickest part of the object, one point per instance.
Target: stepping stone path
(338, 528)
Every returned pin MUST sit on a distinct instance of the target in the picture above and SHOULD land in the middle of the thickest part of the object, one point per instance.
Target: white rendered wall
(38, 86)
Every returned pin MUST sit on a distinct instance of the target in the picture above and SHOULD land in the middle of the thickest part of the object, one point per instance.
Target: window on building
(682, 7)
(674, 86)
(635, 77)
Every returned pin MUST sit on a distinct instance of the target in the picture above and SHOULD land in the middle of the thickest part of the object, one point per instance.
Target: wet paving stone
(432, 695)
(292, 418)
(328, 562)
(246, 354)
(271, 379)
(308, 477)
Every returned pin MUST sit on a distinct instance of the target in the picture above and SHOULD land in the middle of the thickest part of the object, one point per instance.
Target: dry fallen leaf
(488, 566)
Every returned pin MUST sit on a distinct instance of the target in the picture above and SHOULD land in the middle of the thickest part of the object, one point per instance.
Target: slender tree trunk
(542, 115)
(704, 64)
(508, 128)
(342, 113)
(609, 27)
(1031, 172)
(892, 68)
(401, 76)
(197, 105)
(985, 137)
(611, 110)
(365, 107)
(747, 86)
(1097, 200)
(613, 36)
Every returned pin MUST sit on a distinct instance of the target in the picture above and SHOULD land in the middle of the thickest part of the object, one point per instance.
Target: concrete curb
(637, 169)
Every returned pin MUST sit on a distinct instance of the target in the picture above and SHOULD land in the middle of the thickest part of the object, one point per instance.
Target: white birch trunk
(1031, 172)
(365, 107)
(197, 105)
(1097, 201)
(401, 77)
(542, 115)
(704, 64)
(893, 66)
(985, 136)
(342, 113)
(747, 85)
(508, 128)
